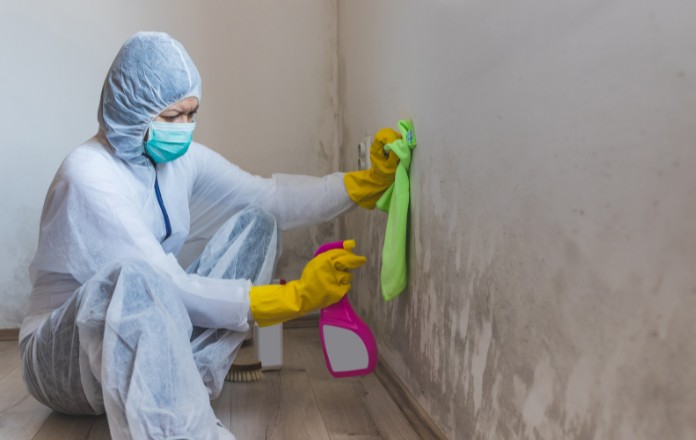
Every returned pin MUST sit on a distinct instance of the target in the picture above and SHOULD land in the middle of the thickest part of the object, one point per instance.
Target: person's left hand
(325, 280)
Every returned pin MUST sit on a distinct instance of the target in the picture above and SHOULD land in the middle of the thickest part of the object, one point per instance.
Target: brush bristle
(244, 373)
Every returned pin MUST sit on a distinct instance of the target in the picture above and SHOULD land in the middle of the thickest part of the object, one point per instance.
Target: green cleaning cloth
(394, 201)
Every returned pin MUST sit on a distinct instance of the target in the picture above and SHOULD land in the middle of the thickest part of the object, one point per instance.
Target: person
(115, 324)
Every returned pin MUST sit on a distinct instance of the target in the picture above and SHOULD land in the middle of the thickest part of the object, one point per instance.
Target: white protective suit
(104, 240)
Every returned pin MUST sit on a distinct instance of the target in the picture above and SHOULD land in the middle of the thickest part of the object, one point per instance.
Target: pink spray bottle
(348, 343)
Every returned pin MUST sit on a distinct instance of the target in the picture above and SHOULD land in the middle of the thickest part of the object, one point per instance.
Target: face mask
(168, 140)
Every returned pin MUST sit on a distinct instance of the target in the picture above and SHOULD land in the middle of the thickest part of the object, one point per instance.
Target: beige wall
(553, 222)
(269, 98)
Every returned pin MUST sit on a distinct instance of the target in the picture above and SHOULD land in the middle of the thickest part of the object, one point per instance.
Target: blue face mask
(168, 140)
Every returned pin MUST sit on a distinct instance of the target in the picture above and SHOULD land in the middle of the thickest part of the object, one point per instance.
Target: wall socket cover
(364, 153)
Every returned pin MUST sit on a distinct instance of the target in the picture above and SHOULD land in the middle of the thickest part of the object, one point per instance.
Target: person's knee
(261, 219)
(261, 225)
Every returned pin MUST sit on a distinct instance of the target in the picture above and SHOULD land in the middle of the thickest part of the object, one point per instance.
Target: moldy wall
(553, 222)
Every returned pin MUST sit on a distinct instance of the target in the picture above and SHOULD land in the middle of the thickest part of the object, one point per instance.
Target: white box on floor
(268, 346)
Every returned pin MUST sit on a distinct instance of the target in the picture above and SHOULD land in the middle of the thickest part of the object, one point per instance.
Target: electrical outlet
(364, 153)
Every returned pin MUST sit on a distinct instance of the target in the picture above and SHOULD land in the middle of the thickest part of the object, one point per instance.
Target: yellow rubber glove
(366, 187)
(324, 281)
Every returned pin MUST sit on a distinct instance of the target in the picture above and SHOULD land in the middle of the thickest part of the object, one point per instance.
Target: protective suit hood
(150, 72)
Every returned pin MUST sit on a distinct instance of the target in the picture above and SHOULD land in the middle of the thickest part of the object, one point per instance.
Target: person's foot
(223, 433)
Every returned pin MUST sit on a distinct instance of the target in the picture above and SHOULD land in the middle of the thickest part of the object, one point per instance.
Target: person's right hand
(324, 281)
(367, 186)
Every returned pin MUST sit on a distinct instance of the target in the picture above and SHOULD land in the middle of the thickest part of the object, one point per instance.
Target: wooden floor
(302, 401)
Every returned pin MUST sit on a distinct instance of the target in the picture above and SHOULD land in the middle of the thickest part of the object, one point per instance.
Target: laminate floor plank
(295, 413)
(100, 429)
(341, 401)
(351, 407)
(61, 427)
(9, 357)
(21, 416)
(298, 416)
(354, 437)
(221, 405)
(390, 420)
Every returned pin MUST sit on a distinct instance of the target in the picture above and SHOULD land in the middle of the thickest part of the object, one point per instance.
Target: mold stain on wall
(513, 331)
